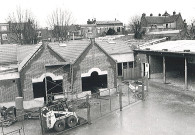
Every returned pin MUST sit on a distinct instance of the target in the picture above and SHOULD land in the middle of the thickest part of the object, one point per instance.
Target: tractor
(59, 117)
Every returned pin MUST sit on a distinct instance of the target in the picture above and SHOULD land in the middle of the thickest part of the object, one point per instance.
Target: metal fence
(87, 108)
(18, 122)
(91, 107)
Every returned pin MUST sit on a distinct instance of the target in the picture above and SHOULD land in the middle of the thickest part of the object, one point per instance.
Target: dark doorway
(94, 82)
(52, 87)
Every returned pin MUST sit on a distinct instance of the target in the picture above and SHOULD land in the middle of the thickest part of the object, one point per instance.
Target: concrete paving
(166, 111)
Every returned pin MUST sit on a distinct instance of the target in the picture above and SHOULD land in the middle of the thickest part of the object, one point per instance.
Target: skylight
(63, 45)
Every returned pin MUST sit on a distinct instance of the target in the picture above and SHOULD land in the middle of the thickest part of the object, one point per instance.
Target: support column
(147, 60)
(186, 74)
(164, 69)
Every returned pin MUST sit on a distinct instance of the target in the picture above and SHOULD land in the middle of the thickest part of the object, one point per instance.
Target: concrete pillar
(186, 74)
(164, 69)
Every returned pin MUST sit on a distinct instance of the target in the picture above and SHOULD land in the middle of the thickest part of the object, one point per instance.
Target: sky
(82, 10)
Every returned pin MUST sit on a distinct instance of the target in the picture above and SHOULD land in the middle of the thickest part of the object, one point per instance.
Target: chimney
(88, 22)
(143, 14)
(151, 14)
(159, 14)
(115, 19)
(174, 13)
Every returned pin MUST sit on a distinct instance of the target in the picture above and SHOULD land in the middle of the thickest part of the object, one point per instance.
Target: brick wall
(8, 90)
(94, 57)
(36, 68)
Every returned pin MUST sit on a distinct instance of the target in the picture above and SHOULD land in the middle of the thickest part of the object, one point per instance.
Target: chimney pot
(151, 14)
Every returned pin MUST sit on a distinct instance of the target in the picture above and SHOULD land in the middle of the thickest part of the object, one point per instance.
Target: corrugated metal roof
(174, 46)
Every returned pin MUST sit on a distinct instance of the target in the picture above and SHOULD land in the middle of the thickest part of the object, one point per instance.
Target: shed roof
(173, 46)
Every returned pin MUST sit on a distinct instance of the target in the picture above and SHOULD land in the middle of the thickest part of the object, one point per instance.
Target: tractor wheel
(71, 121)
(59, 125)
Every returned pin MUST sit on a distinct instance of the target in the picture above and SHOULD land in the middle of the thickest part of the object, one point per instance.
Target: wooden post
(110, 101)
(147, 59)
(143, 96)
(186, 74)
(120, 97)
(147, 84)
(164, 69)
(41, 122)
(46, 98)
(88, 110)
(129, 95)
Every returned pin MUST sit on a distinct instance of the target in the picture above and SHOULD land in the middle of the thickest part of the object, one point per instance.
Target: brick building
(162, 22)
(75, 67)
(100, 28)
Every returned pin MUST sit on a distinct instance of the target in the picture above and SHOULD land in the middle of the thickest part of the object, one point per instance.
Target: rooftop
(161, 19)
(173, 46)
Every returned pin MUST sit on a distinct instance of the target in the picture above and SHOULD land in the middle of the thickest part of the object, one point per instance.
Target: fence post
(88, 110)
(143, 98)
(2, 126)
(110, 100)
(147, 84)
(40, 116)
(128, 94)
(120, 97)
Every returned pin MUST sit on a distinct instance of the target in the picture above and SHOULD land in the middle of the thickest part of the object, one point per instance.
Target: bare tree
(22, 26)
(59, 21)
(135, 25)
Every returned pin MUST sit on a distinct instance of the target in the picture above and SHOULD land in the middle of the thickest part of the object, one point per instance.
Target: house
(22, 32)
(44, 34)
(74, 32)
(73, 67)
(69, 32)
(4, 33)
(102, 28)
(162, 22)
(170, 62)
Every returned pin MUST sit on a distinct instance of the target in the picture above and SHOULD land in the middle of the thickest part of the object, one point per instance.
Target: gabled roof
(115, 47)
(70, 50)
(73, 49)
(161, 19)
